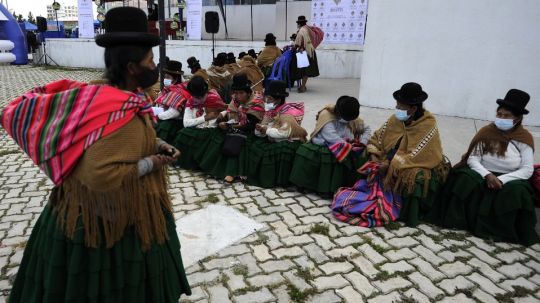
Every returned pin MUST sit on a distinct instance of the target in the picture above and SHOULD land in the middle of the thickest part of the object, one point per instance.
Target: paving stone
(371, 254)
(400, 266)
(515, 270)
(350, 295)
(451, 256)
(425, 285)
(323, 242)
(203, 277)
(346, 241)
(304, 202)
(281, 294)
(267, 218)
(260, 296)
(511, 257)
(264, 280)
(508, 285)
(483, 296)
(314, 219)
(250, 262)
(294, 251)
(391, 297)
(535, 278)
(416, 296)
(400, 254)
(360, 283)
(459, 298)
(533, 264)
(454, 269)
(298, 210)
(427, 269)
(486, 270)
(392, 284)
(234, 250)
(342, 252)
(283, 201)
(220, 263)
(235, 282)
(326, 297)
(451, 285)
(218, 294)
(383, 232)
(298, 282)
(315, 253)
(403, 242)
(354, 230)
(260, 252)
(527, 299)
(279, 265)
(197, 294)
(428, 255)
(365, 266)
(331, 282)
(482, 255)
(281, 229)
(261, 201)
(336, 267)
(289, 218)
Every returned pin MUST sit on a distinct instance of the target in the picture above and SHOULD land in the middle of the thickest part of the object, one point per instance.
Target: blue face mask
(401, 115)
(504, 124)
(269, 106)
(167, 82)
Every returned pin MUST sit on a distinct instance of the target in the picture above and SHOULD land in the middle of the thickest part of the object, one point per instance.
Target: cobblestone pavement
(303, 254)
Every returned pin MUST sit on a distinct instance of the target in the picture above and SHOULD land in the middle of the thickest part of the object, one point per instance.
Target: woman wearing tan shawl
(488, 192)
(269, 54)
(303, 43)
(249, 67)
(408, 149)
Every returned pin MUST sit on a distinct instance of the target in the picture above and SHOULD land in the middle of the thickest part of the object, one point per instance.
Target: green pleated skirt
(168, 129)
(315, 168)
(55, 268)
(417, 204)
(270, 163)
(506, 215)
(191, 142)
(214, 163)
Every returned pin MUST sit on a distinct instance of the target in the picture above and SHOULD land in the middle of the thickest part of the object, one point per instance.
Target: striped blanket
(366, 204)
(341, 150)
(56, 123)
(174, 96)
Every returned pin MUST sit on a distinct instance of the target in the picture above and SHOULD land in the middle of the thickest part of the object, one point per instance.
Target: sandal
(302, 89)
(229, 179)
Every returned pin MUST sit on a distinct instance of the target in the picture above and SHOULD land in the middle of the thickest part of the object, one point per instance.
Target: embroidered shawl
(237, 111)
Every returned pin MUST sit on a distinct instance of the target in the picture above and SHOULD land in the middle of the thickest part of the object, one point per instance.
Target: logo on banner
(337, 2)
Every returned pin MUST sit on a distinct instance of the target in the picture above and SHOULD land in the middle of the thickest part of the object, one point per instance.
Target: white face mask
(167, 82)
(341, 120)
(269, 106)
(504, 124)
(402, 115)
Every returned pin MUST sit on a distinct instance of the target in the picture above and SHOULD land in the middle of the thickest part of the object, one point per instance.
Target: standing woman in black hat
(488, 192)
(107, 233)
(408, 151)
(271, 158)
(335, 152)
(269, 54)
(303, 43)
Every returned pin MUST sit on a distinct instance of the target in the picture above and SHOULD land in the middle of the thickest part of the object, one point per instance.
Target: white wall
(466, 54)
(335, 61)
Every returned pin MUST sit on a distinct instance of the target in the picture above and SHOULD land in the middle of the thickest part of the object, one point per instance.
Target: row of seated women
(398, 173)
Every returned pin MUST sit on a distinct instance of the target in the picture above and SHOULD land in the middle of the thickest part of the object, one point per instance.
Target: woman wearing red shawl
(243, 113)
(201, 111)
(488, 192)
(107, 233)
(271, 157)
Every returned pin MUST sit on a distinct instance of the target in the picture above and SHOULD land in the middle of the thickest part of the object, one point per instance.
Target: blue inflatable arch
(10, 30)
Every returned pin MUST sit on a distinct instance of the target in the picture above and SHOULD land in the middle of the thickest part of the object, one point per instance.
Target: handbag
(302, 59)
(233, 144)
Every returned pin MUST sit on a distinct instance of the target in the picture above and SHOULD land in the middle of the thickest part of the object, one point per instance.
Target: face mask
(504, 124)
(147, 77)
(269, 106)
(343, 121)
(401, 115)
(167, 82)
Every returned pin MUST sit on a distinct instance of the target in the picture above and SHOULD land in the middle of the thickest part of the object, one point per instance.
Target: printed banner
(86, 19)
(343, 21)
(194, 19)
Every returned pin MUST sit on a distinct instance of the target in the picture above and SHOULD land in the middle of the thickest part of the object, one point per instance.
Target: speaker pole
(286, 11)
(251, 4)
(163, 37)
(213, 47)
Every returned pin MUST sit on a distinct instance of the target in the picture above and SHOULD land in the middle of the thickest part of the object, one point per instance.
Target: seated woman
(271, 158)
(335, 152)
(201, 111)
(487, 193)
(407, 154)
(169, 104)
(226, 156)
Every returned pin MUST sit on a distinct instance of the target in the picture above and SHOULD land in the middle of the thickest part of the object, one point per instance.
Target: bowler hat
(515, 100)
(270, 38)
(410, 93)
(231, 58)
(197, 86)
(220, 59)
(173, 68)
(241, 55)
(193, 62)
(277, 88)
(241, 82)
(348, 107)
(301, 19)
(252, 53)
(126, 26)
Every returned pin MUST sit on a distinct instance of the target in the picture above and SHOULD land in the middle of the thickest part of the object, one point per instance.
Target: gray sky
(37, 7)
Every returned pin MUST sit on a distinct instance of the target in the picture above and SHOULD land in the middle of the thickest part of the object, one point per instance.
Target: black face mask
(147, 77)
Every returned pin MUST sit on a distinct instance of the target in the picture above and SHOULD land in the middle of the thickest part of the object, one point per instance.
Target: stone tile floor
(303, 254)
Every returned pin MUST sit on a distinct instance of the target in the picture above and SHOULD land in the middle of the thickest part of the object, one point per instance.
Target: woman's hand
(493, 182)
(223, 125)
(158, 161)
(262, 129)
(169, 150)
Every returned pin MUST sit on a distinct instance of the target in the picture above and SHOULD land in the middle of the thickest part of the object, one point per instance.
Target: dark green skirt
(417, 205)
(191, 142)
(168, 129)
(315, 168)
(270, 163)
(213, 162)
(55, 268)
(506, 215)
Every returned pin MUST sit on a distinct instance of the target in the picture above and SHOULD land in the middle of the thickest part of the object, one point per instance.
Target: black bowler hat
(193, 62)
(197, 86)
(173, 68)
(241, 55)
(515, 100)
(126, 26)
(293, 37)
(270, 38)
(241, 82)
(252, 53)
(301, 19)
(231, 58)
(277, 88)
(220, 59)
(410, 93)
(348, 107)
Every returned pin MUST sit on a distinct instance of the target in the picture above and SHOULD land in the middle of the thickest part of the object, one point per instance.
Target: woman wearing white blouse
(488, 192)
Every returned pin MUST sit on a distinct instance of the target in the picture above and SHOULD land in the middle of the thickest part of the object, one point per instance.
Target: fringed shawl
(268, 55)
(288, 116)
(303, 39)
(253, 72)
(174, 96)
(218, 76)
(327, 115)
(237, 111)
(419, 151)
(490, 140)
(202, 72)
